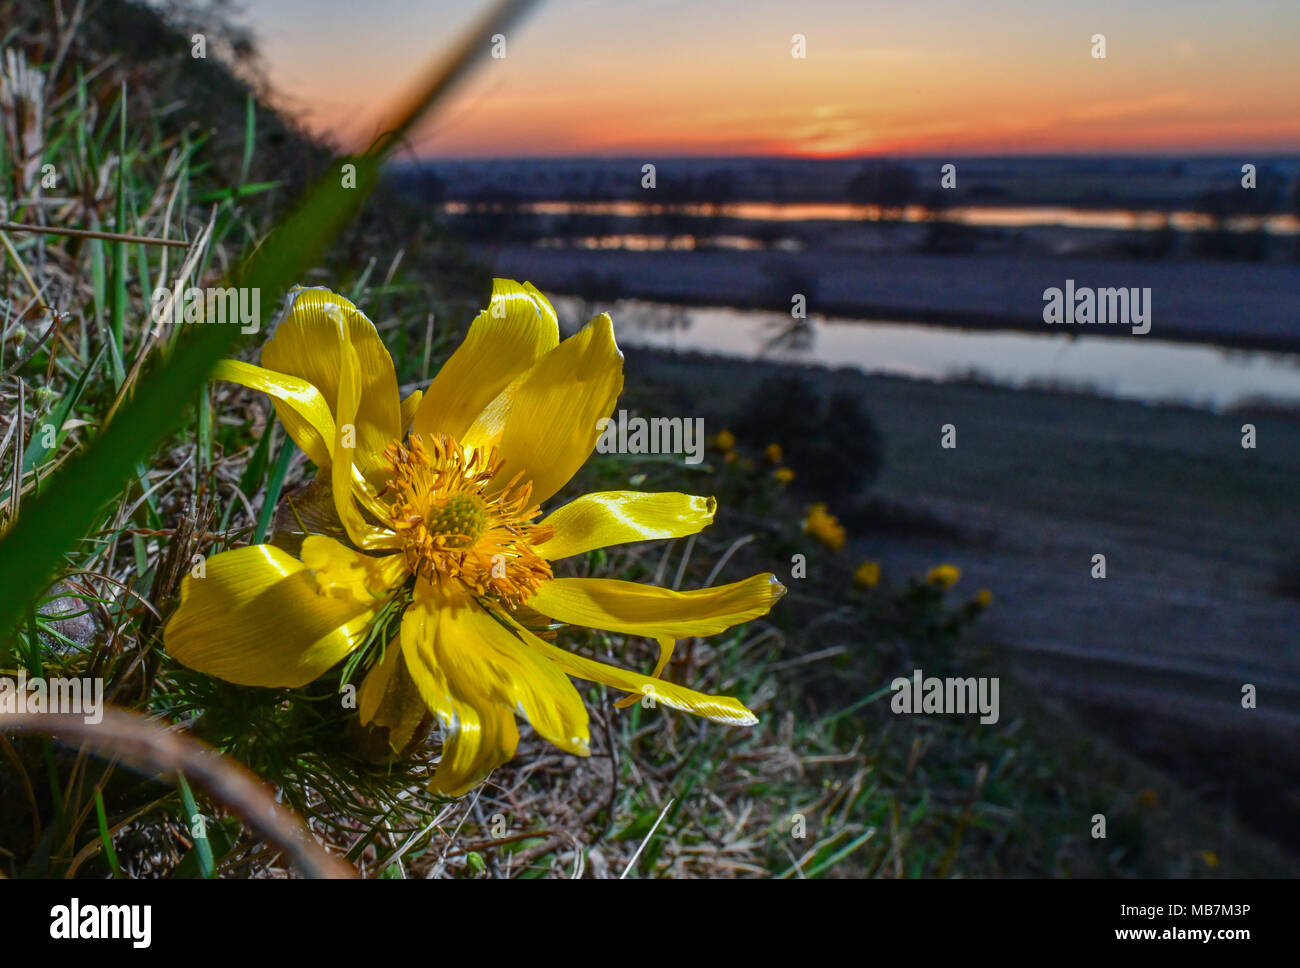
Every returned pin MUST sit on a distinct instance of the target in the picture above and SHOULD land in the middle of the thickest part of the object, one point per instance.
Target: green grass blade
(119, 249)
(109, 853)
(202, 846)
(250, 137)
(273, 490)
(36, 451)
(251, 479)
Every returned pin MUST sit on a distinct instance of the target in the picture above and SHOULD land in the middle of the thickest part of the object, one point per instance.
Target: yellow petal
(377, 683)
(666, 647)
(258, 618)
(521, 679)
(409, 405)
(347, 452)
(478, 735)
(307, 419)
(550, 429)
(634, 609)
(485, 432)
(341, 572)
(517, 328)
(300, 405)
(308, 342)
(617, 517)
(388, 699)
(478, 655)
(722, 709)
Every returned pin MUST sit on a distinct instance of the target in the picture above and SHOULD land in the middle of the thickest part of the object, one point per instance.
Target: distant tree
(495, 213)
(712, 193)
(716, 189)
(784, 281)
(1220, 241)
(597, 289)
(944, 237)
(1161, 242)
(833, 446)
(674, 193)
(1295, 210)
(888, 185)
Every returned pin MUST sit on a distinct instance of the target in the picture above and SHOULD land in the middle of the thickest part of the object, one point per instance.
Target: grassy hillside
(145, 140)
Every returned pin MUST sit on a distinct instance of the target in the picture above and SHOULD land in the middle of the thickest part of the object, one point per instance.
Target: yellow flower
(783, 475)
(823, 526)
(983, 598)
(724, 440)
(1210, 859)
(943, 576)
(1148, 798)
(773, 453)
(867, 574)
(437, 499)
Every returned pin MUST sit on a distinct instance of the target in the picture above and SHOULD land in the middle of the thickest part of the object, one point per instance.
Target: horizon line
(646, 157)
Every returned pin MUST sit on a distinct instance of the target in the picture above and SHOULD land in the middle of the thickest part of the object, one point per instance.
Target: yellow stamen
(458, 528)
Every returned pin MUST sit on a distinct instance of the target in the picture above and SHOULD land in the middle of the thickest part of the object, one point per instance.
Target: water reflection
(640, 242)
(788, 336)
(990, 216)
(1129, 367)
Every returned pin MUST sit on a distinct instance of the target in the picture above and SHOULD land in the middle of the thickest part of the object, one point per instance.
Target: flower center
(460, 525)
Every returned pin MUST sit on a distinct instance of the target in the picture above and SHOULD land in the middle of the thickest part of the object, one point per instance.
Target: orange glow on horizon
(967, 84)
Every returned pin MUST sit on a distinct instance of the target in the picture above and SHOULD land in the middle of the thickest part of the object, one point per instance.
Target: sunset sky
(708, 77)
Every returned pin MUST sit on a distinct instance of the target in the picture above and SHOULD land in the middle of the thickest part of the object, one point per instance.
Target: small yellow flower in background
(943, 576)
(437, 499)
(983, 598)
(783, 475)
(773, 453)
(1148, 798)
(724, 440)
(824, 526)
(867, 574)
(1210, 859)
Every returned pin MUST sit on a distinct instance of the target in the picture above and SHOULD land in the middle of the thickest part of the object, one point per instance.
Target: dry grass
(829, 783)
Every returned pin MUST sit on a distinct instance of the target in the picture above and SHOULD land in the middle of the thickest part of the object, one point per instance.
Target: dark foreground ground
(1197, 533)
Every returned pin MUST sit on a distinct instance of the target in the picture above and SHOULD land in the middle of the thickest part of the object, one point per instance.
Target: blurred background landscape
(813, 181)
